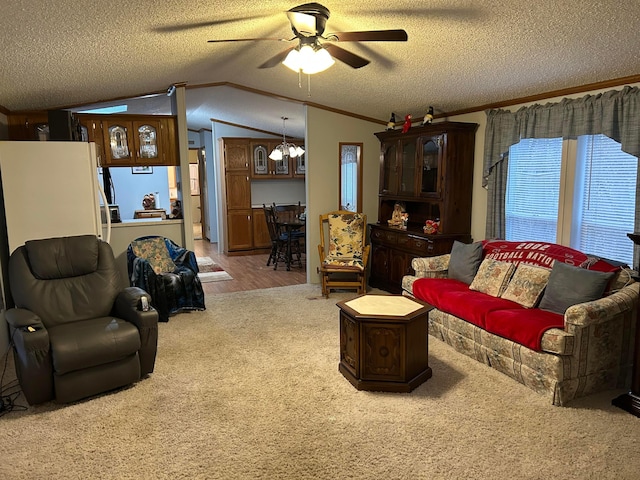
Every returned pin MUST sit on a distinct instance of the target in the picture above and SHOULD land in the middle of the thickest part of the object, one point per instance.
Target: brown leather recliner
(76, 331)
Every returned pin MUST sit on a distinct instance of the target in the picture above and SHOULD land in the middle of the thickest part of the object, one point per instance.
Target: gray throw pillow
(569, 285)
(465, 261)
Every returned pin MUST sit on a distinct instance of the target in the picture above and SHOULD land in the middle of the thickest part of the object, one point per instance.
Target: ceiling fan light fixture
(308, 59)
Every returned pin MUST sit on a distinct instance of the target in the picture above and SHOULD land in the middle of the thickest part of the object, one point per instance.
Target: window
(577, 193)
(533, 189)
(350, 177)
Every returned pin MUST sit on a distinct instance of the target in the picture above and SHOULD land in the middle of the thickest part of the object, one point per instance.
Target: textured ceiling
(460, 53)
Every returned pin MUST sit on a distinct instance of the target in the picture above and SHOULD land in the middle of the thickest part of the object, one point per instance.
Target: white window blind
(533, 187)
(604, 199)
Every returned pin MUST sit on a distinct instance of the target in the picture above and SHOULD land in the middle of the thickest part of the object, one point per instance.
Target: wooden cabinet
(134, 140)
(261, 237)
(240, 230)
(121, 140)
(263, 167)
(393, 249)
(28, 125)
(238, 187)
(429, 171)
(247, 159)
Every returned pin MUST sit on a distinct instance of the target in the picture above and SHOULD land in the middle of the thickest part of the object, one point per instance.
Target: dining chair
(345, 253)
(281, 241)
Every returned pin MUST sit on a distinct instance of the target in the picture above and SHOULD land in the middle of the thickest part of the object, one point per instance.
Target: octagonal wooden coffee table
(383, 342)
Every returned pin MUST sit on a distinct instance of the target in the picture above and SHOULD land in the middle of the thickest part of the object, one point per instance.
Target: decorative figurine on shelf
(428, 118)
(149, 202)
(407, 124)
(396, 217)
(431, 226)
(392, 122)
(405, 220)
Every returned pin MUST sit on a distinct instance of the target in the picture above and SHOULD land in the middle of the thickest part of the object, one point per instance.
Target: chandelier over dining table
(285, 149)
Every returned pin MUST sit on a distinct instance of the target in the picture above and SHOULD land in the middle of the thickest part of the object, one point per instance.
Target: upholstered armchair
(76, 332)
(168, 272)
(344, 254)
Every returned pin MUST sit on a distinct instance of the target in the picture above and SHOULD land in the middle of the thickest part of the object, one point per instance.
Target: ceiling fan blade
(345, 56)
(276, 59)
(212, 23)
(370, 36)
(249, 40)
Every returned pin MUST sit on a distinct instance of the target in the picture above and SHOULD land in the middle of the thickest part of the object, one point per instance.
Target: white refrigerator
(49, 189)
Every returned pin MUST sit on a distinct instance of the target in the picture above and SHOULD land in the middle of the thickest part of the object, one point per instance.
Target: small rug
(211, 271)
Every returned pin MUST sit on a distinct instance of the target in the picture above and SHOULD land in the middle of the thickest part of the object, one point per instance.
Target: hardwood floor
(249, 272)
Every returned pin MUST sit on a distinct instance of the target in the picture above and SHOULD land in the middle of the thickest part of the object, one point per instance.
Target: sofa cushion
(523, 326)
(430, 289)
(473, 306)
(492, 277)
(464, 261)
(569, 285)
(527, 284)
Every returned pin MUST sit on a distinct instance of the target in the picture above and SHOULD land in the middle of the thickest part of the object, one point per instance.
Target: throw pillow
(155, 251)
(569, 285)
(492, 277)
(527, 284)
(465, 260)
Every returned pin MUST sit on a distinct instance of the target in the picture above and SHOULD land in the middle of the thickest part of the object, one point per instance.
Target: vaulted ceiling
(460, 54)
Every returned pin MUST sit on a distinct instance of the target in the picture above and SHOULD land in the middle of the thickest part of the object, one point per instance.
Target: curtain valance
(615, 113)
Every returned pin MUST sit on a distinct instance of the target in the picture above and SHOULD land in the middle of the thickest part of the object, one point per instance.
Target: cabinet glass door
(148, 141)
(431, 166)
(118, 142)
(408, 167)
(260, 159)
(390, 168)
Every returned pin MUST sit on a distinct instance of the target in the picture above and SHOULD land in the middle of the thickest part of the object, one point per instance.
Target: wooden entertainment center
(429, 172)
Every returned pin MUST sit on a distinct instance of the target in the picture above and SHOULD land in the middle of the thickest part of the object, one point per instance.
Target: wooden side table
(631, 401)
(384, 343)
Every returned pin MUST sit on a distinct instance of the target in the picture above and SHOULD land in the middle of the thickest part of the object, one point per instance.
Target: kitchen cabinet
(262, 167)
(92, 132)
(238, 188)
(131, 140)
(121, 140)
(247, 159)
(261, 237)
(28, 125)
(429, 172)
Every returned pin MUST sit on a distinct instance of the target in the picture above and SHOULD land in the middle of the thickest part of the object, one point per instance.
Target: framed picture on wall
(142, 169)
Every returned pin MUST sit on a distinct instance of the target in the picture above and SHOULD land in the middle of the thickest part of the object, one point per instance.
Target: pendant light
(285, 149)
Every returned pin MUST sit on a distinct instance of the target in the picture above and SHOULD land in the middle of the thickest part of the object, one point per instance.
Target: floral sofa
(552, 318)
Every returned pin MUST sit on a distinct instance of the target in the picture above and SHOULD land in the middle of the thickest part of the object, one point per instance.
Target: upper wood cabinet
(121, 140)
(236, 154)
(131, 140)
(264, 167)
(429, 170)
(28, 126)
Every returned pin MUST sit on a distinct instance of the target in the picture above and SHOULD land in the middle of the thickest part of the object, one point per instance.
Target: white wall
(325, 130)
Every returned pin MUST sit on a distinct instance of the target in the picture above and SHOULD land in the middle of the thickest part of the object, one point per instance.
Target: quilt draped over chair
(344, 255)
(168, 272)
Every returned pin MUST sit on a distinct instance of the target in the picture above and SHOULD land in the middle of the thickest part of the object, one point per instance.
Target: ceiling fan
(308, 23)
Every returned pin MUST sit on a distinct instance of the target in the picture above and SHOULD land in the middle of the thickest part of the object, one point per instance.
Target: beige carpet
(250, 389)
